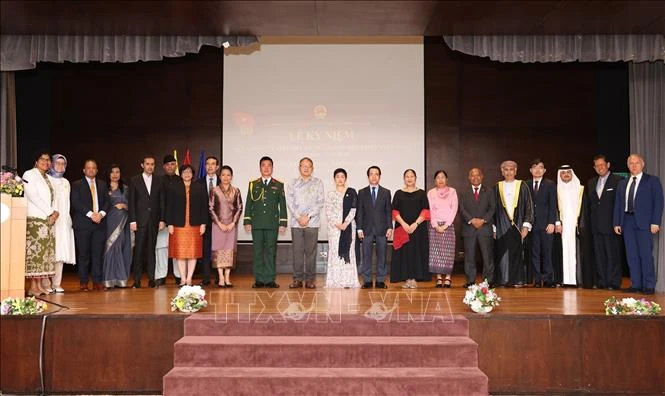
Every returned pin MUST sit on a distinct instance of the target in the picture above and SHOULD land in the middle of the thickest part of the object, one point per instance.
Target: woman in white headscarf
(64, 234)
(570, 194)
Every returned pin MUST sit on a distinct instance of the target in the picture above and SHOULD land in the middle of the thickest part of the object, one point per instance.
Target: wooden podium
(12, 249)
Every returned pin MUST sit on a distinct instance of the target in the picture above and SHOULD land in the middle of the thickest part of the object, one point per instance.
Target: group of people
(167, 224)
(545, 220)
(114, 231)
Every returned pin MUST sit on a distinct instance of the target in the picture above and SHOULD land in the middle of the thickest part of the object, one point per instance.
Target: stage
(537, 341)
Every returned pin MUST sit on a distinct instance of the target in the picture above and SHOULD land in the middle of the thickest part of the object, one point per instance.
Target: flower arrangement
(480, 298)
(631, 306)
(22, 306)
(10, 182)
(189, 299)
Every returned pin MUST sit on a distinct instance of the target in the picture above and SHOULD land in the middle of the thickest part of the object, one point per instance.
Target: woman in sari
(42, 214)
(118, 248)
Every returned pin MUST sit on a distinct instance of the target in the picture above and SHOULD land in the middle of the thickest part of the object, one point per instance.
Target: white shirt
(600, 185)
(637, 185)
(509, 197)
(147, 179)
(95, 199)
(263, 180)
(214, 182)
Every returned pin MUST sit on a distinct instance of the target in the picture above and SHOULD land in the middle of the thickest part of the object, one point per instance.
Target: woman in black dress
(410, 241)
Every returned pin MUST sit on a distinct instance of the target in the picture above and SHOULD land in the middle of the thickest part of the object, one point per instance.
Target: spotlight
(226, 44)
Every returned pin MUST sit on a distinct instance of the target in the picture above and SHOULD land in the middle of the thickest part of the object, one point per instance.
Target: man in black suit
(477, 205)
(374, 225)
(600, 193)
(89, 200)
(210, 181)
(543, 194)
(146, 214)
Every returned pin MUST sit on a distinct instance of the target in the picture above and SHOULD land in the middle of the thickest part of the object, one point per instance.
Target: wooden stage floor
(538, 341)
(242, 298)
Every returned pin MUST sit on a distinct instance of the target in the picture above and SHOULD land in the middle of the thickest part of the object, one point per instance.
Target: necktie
(599, 186)
(210, 185)
(631, 196)
(535, 187)
(93, 193)
(265, 182)
(373, 194)
(475, 193)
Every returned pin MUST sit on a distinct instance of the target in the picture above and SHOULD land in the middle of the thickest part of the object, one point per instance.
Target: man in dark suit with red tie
(638, 211)
(543, 193)
(599, 194)
(146, 218)
(90, 201)
(477, 205)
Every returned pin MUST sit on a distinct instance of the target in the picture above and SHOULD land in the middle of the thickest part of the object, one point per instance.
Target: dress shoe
(610, 288)
(59, 289)
(310, 285)
(631, 290)
(649, 291)
(549, 284)
(272, 285)
(98, 286)
(258, 285)
(151, 283)
(177, 281)
(137, 285)
(380, 285)
(160, 281)
(367, 285)
(84, 287)
(538, 284)
(205, 283)
(295, 285)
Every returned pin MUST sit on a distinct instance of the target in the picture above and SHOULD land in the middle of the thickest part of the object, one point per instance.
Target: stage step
(194, 381)
(304, 351)
(340, 325)
(347, 354)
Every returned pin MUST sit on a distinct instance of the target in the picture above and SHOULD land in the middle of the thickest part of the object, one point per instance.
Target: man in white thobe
(570, 194)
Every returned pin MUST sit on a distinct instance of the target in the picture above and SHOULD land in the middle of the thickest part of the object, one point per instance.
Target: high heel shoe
(34, 293)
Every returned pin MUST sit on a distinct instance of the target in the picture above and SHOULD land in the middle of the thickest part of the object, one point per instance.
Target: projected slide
(344, 106)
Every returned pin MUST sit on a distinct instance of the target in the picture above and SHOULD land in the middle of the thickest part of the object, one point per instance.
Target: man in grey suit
(374, 225)
(477, 206)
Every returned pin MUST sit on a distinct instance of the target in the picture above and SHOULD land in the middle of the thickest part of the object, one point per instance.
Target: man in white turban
(570, 194)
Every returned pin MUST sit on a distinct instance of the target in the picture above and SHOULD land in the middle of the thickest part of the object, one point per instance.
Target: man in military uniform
(265, 214)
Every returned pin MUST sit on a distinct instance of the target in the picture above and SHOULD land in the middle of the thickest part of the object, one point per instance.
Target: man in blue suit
(638, 210)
